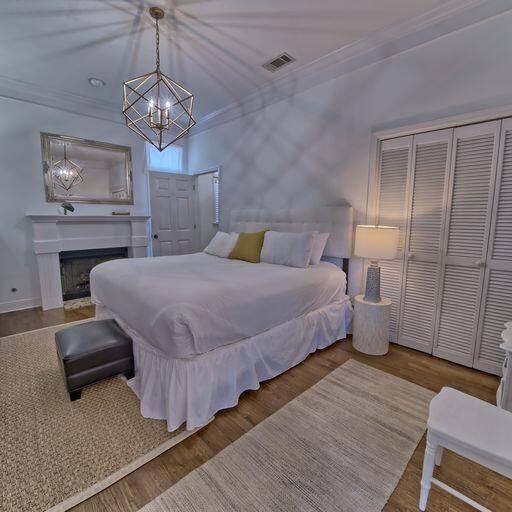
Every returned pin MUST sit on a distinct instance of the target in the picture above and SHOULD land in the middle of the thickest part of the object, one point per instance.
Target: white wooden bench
(470, 427)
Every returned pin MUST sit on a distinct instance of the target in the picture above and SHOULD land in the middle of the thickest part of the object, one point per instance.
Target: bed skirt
(192, 390)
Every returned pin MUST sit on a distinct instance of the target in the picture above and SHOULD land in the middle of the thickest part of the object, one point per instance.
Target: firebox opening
(75, 267)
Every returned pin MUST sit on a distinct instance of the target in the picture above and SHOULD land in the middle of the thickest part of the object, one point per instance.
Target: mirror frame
(53, 197)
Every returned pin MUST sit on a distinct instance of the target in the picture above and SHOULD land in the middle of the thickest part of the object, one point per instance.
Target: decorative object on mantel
(67, 173)
(156, 107)
(376, 243)
(108, 178)
(120, 213)
(67, 207)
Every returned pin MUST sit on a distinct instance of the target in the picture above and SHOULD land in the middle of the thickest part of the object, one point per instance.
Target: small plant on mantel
(67, 207)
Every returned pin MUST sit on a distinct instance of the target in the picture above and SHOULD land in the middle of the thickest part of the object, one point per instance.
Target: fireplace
(75, 267)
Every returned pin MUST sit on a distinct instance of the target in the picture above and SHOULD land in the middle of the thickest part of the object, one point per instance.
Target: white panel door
(472, 174)
(424, 239)
(394, 164)
(173, 212)
(497, 297)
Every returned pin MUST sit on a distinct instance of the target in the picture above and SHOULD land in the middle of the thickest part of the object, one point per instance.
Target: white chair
(470, 427)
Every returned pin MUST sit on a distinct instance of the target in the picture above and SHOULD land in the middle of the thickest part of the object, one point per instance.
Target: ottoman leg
(129, 374)
(75, 395)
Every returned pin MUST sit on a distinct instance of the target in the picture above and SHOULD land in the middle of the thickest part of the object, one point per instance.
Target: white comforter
(188, 305)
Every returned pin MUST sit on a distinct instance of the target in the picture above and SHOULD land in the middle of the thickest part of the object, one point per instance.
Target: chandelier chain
(157, 46)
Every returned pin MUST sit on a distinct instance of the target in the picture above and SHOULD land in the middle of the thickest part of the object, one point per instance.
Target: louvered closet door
(497, 297)
(424, 240)
(473, 166)
(392, 210)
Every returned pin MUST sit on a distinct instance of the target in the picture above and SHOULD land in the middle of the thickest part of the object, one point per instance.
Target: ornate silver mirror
(86, 171)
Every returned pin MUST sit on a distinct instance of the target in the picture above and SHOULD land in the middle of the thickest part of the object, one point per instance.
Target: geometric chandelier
(156, 107)
(66, 173)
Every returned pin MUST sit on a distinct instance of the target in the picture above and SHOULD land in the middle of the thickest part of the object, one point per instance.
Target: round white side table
(371, 326)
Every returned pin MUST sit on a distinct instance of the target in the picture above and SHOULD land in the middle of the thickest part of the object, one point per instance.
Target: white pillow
(291, 249)
(221, 244)
(318, 247)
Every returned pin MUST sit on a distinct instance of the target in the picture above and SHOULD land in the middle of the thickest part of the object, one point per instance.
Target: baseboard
(16, 305)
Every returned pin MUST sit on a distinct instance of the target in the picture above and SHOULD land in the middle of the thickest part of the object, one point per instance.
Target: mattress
(191, 304)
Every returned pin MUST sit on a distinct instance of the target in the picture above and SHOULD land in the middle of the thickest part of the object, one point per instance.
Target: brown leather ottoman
(91, 352)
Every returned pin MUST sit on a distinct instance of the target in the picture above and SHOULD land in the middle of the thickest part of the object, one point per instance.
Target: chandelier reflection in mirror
(155, 106)
(66, 173)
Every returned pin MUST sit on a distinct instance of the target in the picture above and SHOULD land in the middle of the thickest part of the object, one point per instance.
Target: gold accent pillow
(248, 247)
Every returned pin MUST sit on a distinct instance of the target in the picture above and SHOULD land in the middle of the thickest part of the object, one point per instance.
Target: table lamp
(375, 243)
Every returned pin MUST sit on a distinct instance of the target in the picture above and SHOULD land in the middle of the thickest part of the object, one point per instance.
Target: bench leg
(75, 395)
(439, 455)
(428, 471)
(129, 374)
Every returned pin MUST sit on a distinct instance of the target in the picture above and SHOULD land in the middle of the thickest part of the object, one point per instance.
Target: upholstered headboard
(336, 220)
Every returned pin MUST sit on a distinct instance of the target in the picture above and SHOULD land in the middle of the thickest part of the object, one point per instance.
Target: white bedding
(193, 389)
(191, 304)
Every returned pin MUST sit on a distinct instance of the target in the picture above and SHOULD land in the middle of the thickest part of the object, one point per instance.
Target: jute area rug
(83, 302)
(56, 453)
(340, 446)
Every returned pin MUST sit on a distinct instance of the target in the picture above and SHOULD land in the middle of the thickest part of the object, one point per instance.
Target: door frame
(210, 170)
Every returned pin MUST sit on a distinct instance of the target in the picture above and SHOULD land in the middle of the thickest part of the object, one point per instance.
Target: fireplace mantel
(56, 233)
(87, 218)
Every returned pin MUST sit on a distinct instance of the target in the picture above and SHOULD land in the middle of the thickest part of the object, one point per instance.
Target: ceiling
(215, 48)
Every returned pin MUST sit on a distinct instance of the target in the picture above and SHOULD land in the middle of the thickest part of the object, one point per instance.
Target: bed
(205, 329)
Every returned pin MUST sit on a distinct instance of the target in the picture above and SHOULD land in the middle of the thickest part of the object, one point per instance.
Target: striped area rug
(340, 446)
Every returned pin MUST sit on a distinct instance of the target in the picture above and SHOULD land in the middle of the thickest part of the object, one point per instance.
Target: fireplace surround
(55, 234)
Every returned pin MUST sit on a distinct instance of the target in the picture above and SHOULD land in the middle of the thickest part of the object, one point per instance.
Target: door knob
(155, 237)
(410, 255)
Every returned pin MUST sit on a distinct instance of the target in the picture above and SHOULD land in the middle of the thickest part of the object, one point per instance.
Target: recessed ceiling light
(96, 82)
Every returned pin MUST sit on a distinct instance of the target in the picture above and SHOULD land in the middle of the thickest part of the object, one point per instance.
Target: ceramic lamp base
(372, 291)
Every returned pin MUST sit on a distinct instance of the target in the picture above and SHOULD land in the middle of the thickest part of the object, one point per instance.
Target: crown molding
(452, 16)
(60, 100)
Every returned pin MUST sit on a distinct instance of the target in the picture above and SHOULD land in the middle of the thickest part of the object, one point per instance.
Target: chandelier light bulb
(167, 114)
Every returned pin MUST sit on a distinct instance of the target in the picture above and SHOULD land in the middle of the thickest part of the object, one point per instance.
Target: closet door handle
(479, 263)
(410, 255)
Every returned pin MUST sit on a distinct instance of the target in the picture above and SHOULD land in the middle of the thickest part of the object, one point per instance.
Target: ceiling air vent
(278, 62)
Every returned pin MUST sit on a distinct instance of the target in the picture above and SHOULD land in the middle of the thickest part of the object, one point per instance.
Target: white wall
(22, 188)
(313, 148)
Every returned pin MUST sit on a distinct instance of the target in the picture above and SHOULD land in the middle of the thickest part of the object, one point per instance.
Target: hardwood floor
(35, 318)
(138, 488)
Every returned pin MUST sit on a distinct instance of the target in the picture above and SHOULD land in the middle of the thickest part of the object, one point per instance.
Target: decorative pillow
(221, 244)
(290, 249)
(248, 247)
(318, 247)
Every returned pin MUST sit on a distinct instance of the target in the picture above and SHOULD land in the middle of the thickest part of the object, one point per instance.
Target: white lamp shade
(376, 242)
